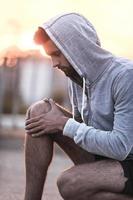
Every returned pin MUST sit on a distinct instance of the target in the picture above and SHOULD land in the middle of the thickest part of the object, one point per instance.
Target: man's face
(60, 62)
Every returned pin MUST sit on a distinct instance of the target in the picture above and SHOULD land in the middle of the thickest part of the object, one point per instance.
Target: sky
(111, 18)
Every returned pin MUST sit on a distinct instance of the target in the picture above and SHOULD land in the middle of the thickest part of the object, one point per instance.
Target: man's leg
(103, 196)
(94, 181)
(109, 196)
(39, 152)
(38, 155)
(75, 153)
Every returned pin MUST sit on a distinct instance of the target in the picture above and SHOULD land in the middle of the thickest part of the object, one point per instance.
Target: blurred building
(26, 77)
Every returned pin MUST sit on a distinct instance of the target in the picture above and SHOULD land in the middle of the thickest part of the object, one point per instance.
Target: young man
(98, 135)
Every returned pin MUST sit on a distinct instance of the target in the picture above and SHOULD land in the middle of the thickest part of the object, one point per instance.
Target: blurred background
(26, 73)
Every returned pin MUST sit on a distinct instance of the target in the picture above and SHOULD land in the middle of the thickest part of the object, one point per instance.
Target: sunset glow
(112, 20)
(26, 41)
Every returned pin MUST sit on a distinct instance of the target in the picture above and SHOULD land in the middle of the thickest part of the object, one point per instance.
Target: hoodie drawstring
(83, 100)
(73, 111)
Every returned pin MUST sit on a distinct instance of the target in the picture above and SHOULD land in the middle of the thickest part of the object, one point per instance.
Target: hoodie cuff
(71, 128)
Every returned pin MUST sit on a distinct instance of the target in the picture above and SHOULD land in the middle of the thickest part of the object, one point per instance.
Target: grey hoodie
(107, 106)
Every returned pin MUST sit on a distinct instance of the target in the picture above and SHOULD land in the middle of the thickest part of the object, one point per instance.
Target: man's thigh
(75, 152)
(89, 178)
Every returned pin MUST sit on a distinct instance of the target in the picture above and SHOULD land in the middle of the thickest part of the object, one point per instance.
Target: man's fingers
(46, 99)
(35, 130)
(38, 134)
(31, 120)
(52, 102)
(32, 125)
(53, 105)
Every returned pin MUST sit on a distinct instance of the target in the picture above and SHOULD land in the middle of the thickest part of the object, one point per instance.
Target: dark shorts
(127, 166)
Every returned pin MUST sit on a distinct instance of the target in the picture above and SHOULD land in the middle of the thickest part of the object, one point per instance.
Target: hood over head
(77, 39)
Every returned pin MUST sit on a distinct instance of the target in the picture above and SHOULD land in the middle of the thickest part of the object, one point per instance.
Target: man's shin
(38, 155)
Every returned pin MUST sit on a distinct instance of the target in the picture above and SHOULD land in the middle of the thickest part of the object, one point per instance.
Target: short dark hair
(41, 36)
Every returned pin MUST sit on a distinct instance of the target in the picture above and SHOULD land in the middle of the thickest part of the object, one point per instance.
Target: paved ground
(12, 175)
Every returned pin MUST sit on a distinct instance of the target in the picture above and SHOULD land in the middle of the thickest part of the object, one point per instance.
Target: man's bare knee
(67, 185)
(63, 186)
(38, 108)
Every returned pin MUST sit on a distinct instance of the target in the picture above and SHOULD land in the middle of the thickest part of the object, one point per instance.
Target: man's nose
(54, 66)
(55, 62)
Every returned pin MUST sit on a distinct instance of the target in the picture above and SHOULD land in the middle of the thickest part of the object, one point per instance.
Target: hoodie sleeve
(117, 143)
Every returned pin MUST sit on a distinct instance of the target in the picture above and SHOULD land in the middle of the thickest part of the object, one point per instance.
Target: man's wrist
(63, 122)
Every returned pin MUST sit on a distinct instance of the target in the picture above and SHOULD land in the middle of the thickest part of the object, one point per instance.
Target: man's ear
(40, 36)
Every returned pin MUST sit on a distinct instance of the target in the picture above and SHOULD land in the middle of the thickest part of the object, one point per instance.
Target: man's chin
(68, 74)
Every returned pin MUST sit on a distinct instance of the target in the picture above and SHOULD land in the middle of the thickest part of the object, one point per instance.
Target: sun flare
(112, 20)
(26, 41)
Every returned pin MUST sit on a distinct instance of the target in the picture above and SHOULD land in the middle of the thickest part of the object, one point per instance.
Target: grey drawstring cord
(83, 100)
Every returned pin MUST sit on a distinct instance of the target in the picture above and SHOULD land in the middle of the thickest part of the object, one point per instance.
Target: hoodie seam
(74, 13)
(69, 55)
(72, 58)
(76, 64)
(102, 73)
(118, 77)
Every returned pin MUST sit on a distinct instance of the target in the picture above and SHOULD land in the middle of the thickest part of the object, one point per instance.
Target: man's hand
(50, 122)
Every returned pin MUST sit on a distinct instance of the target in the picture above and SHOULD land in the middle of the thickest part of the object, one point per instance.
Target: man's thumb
(52, 102)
